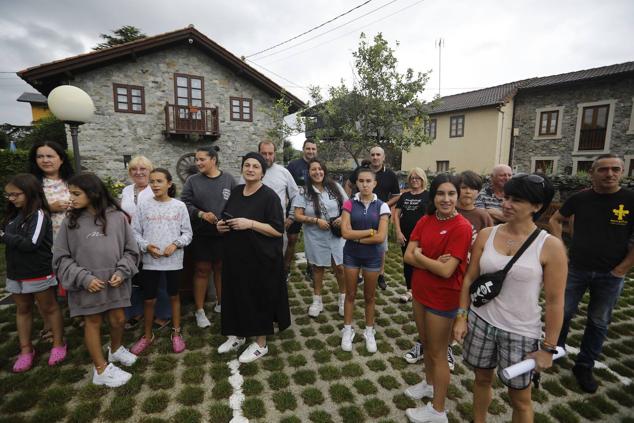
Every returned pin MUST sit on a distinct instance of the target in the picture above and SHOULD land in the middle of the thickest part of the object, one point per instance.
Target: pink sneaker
(24, 362)
(58, 354)
(141, 345)
(178, 345)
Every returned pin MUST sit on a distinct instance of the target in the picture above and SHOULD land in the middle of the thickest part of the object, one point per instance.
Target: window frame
(128, 88)
(611, 103)
(432, 123)
(576, 160)
(554, 159)
(451, 121)
(241, 101)
(538, 121)
(438, 163)
(189, 89)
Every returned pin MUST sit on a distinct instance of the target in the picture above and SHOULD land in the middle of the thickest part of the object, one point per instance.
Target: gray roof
(32, 98)
(491, 96)
(500, 94)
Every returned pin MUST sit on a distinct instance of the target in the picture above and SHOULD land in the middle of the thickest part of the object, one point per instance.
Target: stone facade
(111, 135)
(561, 148)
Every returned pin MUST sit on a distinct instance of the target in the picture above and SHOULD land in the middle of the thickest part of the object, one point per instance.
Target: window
(241, 109)
(128, 98)
(544, 166)
(456, 126)
(594, 122)
(548, 122)
(442, 166)
(584, 166)
(431, 128)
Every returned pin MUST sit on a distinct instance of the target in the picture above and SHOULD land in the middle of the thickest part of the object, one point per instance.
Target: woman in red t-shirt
(437, 250)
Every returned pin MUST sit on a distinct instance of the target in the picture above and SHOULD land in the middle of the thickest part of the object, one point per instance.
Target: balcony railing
(191, 120)
(592, 139)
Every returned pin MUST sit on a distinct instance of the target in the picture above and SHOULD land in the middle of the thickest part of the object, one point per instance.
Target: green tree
(46, 129)
(281, 128)
(383, 107)
(119, 36)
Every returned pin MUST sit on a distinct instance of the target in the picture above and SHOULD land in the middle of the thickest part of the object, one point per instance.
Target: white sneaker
(425, 414)
(252, 353)
(217, 308)
(315, 308)
(122, 355)
(201, 319)
(232, 343)
(347, 336)
(342, 301)
(451, 360)
(370, 342)
(420, 390)
(112, 376)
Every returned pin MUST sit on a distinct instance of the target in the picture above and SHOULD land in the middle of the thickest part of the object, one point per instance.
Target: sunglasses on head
(531, 177)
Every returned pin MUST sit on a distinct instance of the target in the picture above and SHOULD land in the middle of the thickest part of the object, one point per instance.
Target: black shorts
(151, 279)
(206, 248)
(294, 228)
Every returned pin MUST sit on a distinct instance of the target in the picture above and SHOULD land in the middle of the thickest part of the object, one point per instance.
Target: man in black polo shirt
(387, 190)
(601, 254)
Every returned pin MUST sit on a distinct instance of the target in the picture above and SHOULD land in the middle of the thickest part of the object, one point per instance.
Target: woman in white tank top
(508, 329)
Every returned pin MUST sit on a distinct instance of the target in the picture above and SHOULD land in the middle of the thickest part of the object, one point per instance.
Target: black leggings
(407, 271)
(150, 282)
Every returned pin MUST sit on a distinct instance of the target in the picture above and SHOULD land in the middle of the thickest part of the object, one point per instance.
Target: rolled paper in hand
(527, 365)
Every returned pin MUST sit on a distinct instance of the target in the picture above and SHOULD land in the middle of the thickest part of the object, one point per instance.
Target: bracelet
(462, 313)
(548, 344)
(549, 350)
(371, 231)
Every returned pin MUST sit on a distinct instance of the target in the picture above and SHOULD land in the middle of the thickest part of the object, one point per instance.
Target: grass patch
(190, 395)
(352, 370)
(605, 406)
(71, 375)
(121, 408)
(220, 413)
(163, 363)
(312, 396)
(296, 360)
(328, 373)
(376, 365)
(496, 407)
(252, 387)
(402, 402)
(278, 381)
(290, 419)
(304, 377)
(563, 414)
(273, 364)
(193, 375)
(322, 357)
(195, 359)
(84, 412)
(51, 413)
(291, 346)
(621, 397)
(343, 355)
(411, 378)
(351, 413)
(161, 381)
(365, 387)
(131, 388)
(397, 363)
(320, 416)
(284, 400)
(340, 393)
(375, 408)
(22, 401)
(314, 344)
(155, 403)
(222, 390)
(253, 408)
(554, 388)
(186, 415)
(220, 371)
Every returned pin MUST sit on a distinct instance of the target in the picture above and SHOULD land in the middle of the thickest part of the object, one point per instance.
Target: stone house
(164, 96)
(562, 122)
(469, 130)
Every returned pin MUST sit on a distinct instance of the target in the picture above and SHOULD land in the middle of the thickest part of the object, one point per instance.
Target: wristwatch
(549, 350)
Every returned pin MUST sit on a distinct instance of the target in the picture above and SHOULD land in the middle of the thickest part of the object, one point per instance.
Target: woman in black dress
(254, 293)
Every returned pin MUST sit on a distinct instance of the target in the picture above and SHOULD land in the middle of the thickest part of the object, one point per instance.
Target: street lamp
(73, 106)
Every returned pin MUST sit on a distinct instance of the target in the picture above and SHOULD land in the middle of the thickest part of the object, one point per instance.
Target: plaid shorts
(488, 347)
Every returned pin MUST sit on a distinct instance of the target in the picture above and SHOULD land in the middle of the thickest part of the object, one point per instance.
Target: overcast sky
(486, 42)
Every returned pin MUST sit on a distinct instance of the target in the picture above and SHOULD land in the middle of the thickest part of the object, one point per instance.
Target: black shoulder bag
(487, 286)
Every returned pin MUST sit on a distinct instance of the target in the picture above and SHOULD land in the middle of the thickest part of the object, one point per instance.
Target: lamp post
(73, 106)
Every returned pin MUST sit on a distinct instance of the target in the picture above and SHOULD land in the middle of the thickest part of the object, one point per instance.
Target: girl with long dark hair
(95, 255)
(319, 209)
(27, 232)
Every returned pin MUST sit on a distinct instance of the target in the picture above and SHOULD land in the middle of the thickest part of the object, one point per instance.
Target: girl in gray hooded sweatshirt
(95, 256)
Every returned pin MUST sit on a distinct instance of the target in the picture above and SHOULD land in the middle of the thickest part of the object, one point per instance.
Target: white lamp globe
(71, 104)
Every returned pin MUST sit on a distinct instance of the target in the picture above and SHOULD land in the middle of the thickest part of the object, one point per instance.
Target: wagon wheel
(186, 166)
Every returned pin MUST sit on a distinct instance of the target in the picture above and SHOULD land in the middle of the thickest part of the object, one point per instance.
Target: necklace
(442, 218)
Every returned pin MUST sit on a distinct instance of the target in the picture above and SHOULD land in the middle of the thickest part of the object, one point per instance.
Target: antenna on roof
(440, 43)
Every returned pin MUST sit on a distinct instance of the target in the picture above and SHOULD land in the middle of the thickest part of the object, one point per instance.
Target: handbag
(335, 230)
(487, 286)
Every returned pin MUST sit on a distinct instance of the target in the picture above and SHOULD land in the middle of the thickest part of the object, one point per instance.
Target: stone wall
(528, 101)
(105, 140)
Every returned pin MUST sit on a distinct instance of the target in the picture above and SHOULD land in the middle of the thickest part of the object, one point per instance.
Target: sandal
(46, 335)
(156, 326)
(406, 298)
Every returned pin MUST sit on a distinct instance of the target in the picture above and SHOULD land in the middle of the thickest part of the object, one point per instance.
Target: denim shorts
(449, 314)
(33, 287)
(368, 264)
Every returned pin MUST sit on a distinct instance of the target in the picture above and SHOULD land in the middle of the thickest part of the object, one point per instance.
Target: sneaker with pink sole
(58, 354)
(141, 345)
(24, 362)
(178, 344)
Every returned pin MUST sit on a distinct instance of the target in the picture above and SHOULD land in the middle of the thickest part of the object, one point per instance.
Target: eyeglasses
(415, 178)
(531, 177)
(10, 195)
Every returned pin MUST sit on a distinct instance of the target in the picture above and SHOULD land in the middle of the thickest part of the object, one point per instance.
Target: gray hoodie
(85, 253)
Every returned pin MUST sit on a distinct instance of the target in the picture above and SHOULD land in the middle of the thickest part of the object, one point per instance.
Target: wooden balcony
(187, 120)
(592, 139)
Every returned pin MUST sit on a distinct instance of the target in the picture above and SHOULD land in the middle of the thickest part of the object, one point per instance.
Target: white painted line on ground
(237, 398)
(597, 364)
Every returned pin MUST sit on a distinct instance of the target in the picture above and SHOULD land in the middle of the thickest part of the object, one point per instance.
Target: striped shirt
(488, 200)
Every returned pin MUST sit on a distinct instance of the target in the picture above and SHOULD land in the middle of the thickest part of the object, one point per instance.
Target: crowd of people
(475, 263)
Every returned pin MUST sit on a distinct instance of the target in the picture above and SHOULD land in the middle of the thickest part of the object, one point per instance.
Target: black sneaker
(585, 379)
(359, 280)
(382, 282)
(308, 274)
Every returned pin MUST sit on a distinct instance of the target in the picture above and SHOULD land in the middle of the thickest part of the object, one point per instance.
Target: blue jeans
(605, 290)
